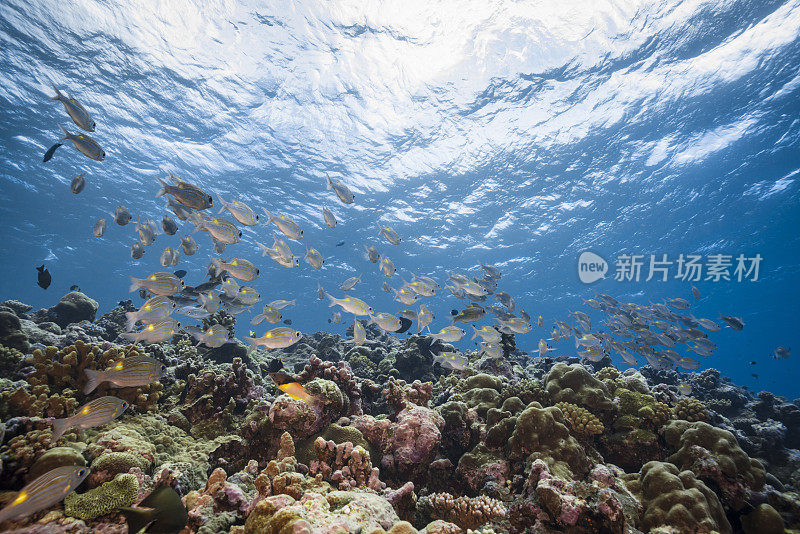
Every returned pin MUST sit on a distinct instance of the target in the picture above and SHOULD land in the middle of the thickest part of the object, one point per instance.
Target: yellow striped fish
(161, 283)
(240, 211)
(277, 338)
(94, 413)
(215, 336)
(137, 370)
(220, 229)
(155, 309)
(44, 491)
(247, 295)
(187, 194)
(155, 332)
(237, 268)
(351, 305)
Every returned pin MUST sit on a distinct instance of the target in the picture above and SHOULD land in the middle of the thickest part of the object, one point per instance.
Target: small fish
(515, 325)
(50, 152)
(78, 183)
(492, 350)
(221, 230)
(387, 267)
(491, 271)
(44, 491)
(593, 354)
(425, 317)
(471, 314)
(161, 511)
(372, 253)
(314, 258)
(74, 288)
(339, 244)
(194, 312)
(84, 144)
(181, 212)
(215, 336)
(296, 391)
(678, 303)
(782, 352)
(320, 292)
(359, 333)
(210, 301)
(247, 296)
(684, 389)
(385, 321)
(240, 211)
(277, 338)
(695, 292)
(92, 414)
(189, 245)
(688, 363)
(336, 318)
(390, 235)
(286, 225)
(137, 250)
(122, 216)
(405, 295)
(156, 332)
(219, 247)
(487, 334)
(543, 347)
(131, 371)
(734, 322)
(452, 360)
(269, 314)
(147, 234)
(341, 190)
(180, 273)
(449, 334)
(351, 305)
(169, 225)
(160, 283)
(506, 300)
(386, 287)
(238, 268)
(754, 375)
(185, 193)
(350, 283)
(281, 304)
(411, 315)
(99, 227)
(327, 215)
(524, 315)
(540, 321)
(75, 110)
(43, 278)
(155, 309)
(752, 363)
(166, 257)
(420, 288)
(287, 321)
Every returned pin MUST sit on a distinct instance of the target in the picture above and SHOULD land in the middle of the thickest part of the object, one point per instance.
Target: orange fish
(296, 391)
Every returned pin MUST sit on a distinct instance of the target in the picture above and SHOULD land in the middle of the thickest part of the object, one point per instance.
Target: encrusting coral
(466, 512)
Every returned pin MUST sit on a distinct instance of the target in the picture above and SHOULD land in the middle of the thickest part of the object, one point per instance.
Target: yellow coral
(581, 421)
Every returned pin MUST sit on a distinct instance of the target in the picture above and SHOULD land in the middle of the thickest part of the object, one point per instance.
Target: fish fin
(92, 382)
(66, 133)
(218, 264)
(331, 300)
(252, 342)
(330, 184)
(40, 269)
(130, 336)
(224, 205)
(130, 320)
(138, 518)
(257, 320)
(475, 334)
(163, 190)
(270, 217)
(264, 248)
(380, 228)
(134, 284)
(59, 427)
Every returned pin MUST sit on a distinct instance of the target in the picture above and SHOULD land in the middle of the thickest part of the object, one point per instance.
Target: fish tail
(257, 320)
(130, 320)
(135, 284)
(93, 380)
(138, 518)
(475, 334)
(270, 217)
(66, 133)
(58, 96)
(292, 302)
(130, 336)
(163, 190)
(330, 184)
(224, 205)
(218, 264)
(252, 342)
(59, 427)
(380, 228)
(331, 300)
(264, 248)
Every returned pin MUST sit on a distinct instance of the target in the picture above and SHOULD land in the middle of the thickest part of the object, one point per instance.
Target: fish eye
(240, 233)
(210, 200)
(256, 217)
(82, 472)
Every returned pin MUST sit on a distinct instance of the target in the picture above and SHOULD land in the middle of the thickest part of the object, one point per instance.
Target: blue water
(515, 133)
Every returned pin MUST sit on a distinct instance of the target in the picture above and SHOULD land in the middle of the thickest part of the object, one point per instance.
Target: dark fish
(754, 376)
(287, 321)
(329, 320)
(273, 366)
(405, 324)
(143, 292)
(162, 510)
(453, 312)
(752, 363)
(180, 274)
(340, 243)
(44, 277)
(50, 151)
(74, 288)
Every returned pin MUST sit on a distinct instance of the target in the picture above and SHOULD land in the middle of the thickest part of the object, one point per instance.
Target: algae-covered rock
(73, 307)
(11, 334)
(55, 457)
(122, 491)
(763, 520)
(676, 499)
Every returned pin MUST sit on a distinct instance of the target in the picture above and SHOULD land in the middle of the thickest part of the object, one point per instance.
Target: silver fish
(169, 226)
(240, 211)
(286, 225)
(314, 258)
(449, 334)
(180, 211)
(85, 145)
(137, 250)
(131, 371)
(359, 333)
(185, 193)
(390, 235)
(166, 257)
(189, 245)
(146, 232)
(341, 190)
(387, 267)
(99, 227)
(75, 110)
(78, 183)
(94, 413)
(327, 215)
(122, 216)
(350, 283)
(386, 322)
(372, 253)
(44, 491)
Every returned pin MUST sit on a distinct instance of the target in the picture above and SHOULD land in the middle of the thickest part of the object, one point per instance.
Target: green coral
(763, 520)
(120, 462)
(640, 411)
(574, 384)
(122, 491)
(691, 409)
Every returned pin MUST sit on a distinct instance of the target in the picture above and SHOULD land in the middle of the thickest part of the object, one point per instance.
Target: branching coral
(345, 465)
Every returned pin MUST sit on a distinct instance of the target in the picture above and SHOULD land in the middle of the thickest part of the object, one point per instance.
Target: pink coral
(414, 442)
